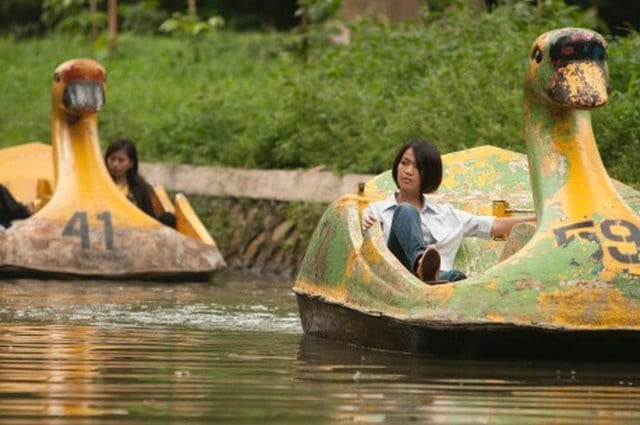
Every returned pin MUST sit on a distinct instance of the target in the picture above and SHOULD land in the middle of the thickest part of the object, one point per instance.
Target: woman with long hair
(121, 158)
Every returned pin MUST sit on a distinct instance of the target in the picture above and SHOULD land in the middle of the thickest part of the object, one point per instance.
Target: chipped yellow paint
(352, 259)
(573, 307)
(578, 75)
(498, 318)
(552, 164)
(483, 157)
(443, 292)
(371, 252)
(493, 285)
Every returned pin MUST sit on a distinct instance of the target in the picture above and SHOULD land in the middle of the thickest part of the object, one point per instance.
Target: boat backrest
(22, 166)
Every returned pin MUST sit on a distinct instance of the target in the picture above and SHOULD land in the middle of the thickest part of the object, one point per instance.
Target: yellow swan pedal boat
(566, 288)
(84, 227)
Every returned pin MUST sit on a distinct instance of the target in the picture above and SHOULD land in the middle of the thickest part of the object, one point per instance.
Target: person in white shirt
(423, 234)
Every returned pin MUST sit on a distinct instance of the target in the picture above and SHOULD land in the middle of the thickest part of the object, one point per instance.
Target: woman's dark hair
(137, 184)
(428, 161)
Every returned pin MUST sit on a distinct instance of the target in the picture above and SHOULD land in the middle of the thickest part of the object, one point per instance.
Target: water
(232, 352)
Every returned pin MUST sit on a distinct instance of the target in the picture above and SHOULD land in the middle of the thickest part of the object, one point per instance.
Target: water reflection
(382, 387)
(78, 371)
(232, 351)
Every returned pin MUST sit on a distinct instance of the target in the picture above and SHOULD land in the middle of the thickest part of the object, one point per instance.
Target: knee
(405, 209)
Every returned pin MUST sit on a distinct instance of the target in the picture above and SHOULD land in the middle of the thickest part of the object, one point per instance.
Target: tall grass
(258, 100)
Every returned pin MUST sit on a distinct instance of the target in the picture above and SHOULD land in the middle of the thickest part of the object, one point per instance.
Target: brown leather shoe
(428, 269)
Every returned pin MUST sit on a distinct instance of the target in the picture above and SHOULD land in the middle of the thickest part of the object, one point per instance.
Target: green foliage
(20, 18)
(190, 25)
(193, 28)
(69, 16)
(317, 11)
(250, 100)
(453, 81)
(141, 18)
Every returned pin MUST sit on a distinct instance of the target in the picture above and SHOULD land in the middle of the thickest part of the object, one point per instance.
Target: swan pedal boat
(84, 227)
(568, 287)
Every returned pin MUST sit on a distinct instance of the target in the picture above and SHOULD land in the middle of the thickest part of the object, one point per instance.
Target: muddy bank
(260, 236)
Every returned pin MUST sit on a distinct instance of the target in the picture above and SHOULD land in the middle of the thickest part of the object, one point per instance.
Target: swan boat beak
(83, 97)
(580, 77)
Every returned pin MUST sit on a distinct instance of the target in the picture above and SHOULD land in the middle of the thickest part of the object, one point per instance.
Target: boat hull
(36, 247)
(339, 323)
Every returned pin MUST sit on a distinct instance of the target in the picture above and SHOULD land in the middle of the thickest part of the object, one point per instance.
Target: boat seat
(160, 200)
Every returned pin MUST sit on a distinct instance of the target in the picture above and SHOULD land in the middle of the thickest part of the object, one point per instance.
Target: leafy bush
(141, 18)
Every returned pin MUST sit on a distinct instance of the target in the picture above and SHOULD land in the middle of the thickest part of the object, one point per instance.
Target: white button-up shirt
(443, 226)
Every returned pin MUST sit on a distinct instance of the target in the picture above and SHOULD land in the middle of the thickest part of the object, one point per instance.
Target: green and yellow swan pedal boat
(566, 288)
(83, 226)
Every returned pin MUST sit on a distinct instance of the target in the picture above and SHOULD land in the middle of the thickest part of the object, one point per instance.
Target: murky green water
(232, 352)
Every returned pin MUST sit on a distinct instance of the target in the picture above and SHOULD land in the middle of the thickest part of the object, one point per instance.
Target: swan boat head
(585, 228)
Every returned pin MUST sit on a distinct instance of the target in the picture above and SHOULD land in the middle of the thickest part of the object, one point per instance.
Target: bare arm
(502, 225)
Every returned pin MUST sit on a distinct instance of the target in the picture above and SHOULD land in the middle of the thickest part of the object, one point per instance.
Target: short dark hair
(428, 161)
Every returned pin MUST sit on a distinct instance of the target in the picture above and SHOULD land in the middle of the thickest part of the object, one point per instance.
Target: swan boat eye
(537, 55)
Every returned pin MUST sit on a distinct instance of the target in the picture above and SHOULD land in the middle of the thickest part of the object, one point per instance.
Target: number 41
(78, 225)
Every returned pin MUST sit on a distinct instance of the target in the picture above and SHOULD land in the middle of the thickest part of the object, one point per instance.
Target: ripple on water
(228, 302)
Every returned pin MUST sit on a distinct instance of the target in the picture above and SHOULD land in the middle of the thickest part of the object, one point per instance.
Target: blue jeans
(407, 243)
(405, 236)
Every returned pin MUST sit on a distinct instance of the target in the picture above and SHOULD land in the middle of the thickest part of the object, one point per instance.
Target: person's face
(118, 164)
(408, 174)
